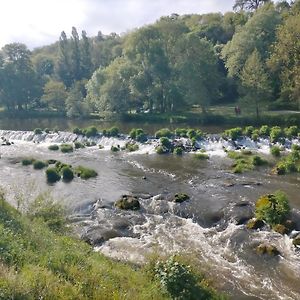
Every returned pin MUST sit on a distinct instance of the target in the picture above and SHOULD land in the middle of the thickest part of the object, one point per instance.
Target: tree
(19, 85)
(255, 81)
(198, 69)
(75, 103)
(75, 56)
(285, 59)
(55, 95)
(248, 4)
(258, 33)
(86, 58)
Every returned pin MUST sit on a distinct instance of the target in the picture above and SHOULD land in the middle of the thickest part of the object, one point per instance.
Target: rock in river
(128, 202)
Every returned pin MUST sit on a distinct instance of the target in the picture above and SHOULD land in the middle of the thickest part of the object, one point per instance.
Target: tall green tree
(86, 57)
(75, 56)
(198, 67)
(255, 82)
(19, 85)
(285, 59)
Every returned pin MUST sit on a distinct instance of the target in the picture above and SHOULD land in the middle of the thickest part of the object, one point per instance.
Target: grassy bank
(39, 261)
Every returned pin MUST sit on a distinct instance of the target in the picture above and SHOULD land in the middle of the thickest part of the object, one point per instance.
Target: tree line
(251, 54)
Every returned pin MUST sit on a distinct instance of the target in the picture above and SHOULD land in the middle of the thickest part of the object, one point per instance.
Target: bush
(78, 145)
(52, 175)
(85, 173)
(161, 150)
(234, 133)
(164, 132)
(272, 208)
(77, 131)
(275, 151)
(47, 130)
(275, 134)
(258, 161)
(38, 131)
(178, 151)
(113, 132)
(165, 142)
(67, 173)
(264, 131)
(195, 134)
(138, 135)
(295, 147)
(291, 131)
(248, 131)
(131, 147)
(53, 147)
(255, 135)
(181, 132)
(27, 161)
(66, 148)
(38, 164)
(91, 131)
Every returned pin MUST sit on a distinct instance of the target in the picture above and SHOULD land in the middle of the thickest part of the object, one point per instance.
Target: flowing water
(206, 226)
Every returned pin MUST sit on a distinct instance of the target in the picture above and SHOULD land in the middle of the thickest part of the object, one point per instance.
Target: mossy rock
(66, 148)
(296, 240)
(127, 202)
(78, 145)
(181, 197)
(201, 156)
(27, 161)
(131, 147)
(161, 150)
(53, 147)
(52, 175)
(115, 149)
(39, 164)
(38, 131)
(255, 224)
(282, 229)
(267, 249)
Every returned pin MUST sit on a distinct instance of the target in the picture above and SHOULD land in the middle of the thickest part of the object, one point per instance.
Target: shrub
(248, 131)
(52, 175)
(181, 197)
(27, 161)
(47, 130)
(161, 150)
(255, 135)
(85, 173)
(113, 131)
(138, 135)
(291, 131)
(165, 142)
(78, 145)
(234, 133)
(38, 131)
(264, 131)
(181, 132)
(178, 151)
(90, 131)
(53, 147)
(38, 164)
(201, 156)
(295, 147)
(275, 151)
(77, 130)
(258, 161)
(272, 208)
(67, 173)
(164, 132)
(66, 148)
(275, 134)
(131, 147)
(59, 166)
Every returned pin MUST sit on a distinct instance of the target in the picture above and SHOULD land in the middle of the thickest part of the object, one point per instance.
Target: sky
(40, 22)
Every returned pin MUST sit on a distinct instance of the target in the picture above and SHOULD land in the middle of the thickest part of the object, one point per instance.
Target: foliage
(131, 147)
(90, 131)
(38, 164)
(114, 148)
(291, 131)
(38, 131)
(234, 133)
(53, 147)
(178, 151)
(165, 142)
(164, 132)
(52, 175)
(27, 161)
(85, 173)
(66, 148)
(272, 208)
(275, 151)
(78, 145)
(201, 156)
(275, 134)
(181, 132)
(67, 173)
(264, 131)
(138, 134)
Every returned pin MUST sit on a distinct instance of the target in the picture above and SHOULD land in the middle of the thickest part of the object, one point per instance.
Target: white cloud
(38, 22)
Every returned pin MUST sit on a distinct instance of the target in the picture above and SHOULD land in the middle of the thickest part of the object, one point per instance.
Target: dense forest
(250, 55)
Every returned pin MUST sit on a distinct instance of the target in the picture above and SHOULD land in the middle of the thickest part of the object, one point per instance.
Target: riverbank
(40, 260)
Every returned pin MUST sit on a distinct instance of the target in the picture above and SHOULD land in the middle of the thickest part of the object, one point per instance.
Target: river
(205, 227)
